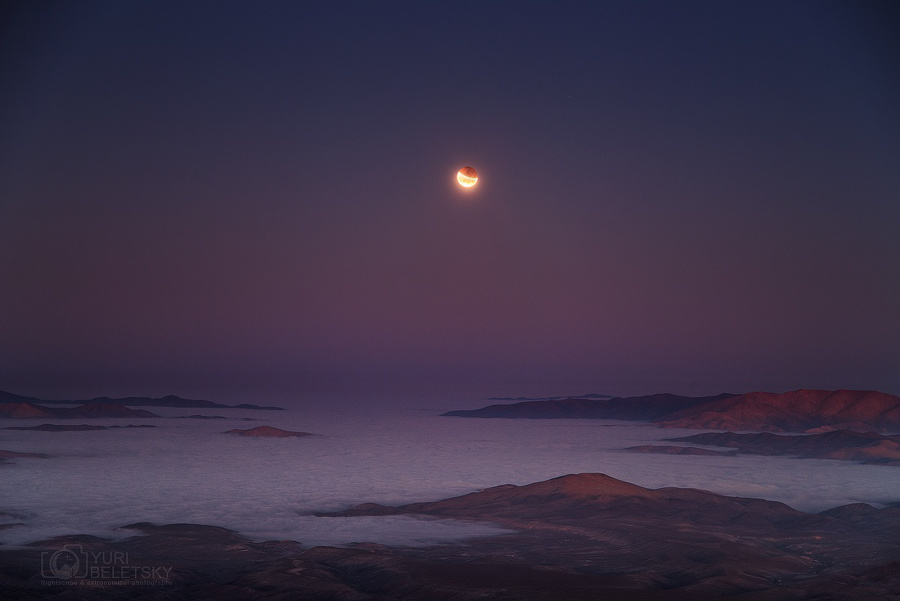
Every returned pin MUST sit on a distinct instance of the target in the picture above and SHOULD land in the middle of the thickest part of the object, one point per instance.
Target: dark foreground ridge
(581, 537)
(134, 401)
(796, 411)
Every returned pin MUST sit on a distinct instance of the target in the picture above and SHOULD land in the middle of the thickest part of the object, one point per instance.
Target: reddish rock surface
(796, 411)
(24, 411)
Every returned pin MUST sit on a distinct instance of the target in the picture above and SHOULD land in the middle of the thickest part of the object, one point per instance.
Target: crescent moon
(467, 177)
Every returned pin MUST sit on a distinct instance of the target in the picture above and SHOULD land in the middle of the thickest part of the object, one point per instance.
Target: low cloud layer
(189, 471)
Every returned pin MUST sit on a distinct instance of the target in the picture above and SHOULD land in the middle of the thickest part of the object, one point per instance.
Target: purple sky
(214, 198)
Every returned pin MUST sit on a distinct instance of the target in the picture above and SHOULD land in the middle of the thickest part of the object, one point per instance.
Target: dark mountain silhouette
(136, 401)
(796, 411)
(72, 427)
(677, 450)
(5, 456)
(592, 395)
(99, 410)
(867, 447)
(106, 410)
(268, 432)
(8, 397)
(643, 408)
(196, 416)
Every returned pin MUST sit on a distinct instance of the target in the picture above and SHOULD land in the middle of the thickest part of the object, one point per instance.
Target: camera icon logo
(66, 563)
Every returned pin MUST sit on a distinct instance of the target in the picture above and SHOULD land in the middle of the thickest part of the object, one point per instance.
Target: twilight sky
(230, 198)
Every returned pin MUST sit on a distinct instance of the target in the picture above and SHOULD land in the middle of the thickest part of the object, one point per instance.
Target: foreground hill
(796, 411)
(581, 500)
(867, 447)
(644, 408)
(580, 537)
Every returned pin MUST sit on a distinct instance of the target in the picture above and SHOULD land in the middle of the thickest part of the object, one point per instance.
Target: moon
(467, 177)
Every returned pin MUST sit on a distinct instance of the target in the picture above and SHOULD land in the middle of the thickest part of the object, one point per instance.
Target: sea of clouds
(188, 470)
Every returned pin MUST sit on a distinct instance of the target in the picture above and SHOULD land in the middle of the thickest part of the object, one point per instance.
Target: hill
(579, 537)
(796, 411)
(616, 540)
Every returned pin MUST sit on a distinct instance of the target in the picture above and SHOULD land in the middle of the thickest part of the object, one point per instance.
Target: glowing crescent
(467, 177)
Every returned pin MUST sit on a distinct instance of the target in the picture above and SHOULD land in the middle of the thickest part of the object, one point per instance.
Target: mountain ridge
(644, 408)
(802, 410)
(169, 400)
(100, 410)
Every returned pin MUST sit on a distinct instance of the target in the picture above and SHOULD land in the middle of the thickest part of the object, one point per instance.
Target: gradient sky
(231, 198)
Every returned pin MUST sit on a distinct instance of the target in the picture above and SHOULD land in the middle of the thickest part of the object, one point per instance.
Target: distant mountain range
(592, 395)
(644, 408)
(796, 411)
(73, 427)
(864, 447)
(134, 401)
(100, 410)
